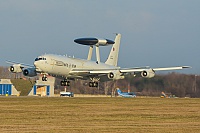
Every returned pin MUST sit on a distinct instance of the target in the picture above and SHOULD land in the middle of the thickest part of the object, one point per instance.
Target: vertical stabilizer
(113, 56)
(119, 91)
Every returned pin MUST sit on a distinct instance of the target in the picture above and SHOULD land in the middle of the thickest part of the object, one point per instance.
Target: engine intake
(16, 68)
(31, 72)
(148, 73)
(115, 75)
(111, 75)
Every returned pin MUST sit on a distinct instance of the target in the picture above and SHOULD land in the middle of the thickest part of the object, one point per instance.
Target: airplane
(125, 94)
(69, 68)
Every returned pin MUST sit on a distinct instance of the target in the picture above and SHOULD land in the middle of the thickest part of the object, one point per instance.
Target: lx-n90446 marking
(69, 68)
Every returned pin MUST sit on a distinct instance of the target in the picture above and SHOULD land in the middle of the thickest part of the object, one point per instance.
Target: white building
(43, 88)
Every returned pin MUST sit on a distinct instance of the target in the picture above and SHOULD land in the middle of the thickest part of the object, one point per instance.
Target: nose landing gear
(44, 78)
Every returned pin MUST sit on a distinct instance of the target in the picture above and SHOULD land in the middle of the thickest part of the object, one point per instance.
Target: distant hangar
(7, 88)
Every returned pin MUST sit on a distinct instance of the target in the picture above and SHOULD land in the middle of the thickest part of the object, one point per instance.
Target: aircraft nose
(35, 63)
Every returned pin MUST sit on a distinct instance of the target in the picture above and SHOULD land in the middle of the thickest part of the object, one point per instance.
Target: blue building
(7, 88)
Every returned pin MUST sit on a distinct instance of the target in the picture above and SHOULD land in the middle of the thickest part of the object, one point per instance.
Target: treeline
(180, 85)
(174, 84)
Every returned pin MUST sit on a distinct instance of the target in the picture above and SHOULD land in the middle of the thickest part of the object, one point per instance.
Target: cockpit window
(40, 59)
(36, 59)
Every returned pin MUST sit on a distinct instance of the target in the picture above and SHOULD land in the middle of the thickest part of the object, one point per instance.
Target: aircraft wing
(124, 70)
(106, 71)
(145, 71)
(154, 69)
(21, 64)
(171, 68)
(27, 70)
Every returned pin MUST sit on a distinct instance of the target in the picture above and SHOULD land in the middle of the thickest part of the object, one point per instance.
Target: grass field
(121, 115)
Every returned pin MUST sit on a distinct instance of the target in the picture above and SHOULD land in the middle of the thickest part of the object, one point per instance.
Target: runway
(99, 114)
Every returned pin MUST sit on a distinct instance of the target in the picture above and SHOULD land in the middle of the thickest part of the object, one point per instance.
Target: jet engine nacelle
(148, 73)
(16, 68)
(115, 75)
(31, 72)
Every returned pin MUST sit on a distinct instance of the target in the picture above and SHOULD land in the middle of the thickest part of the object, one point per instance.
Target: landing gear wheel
(93, 84)
(68, 83)
(90, 84)
(65, 83)
(62, 83)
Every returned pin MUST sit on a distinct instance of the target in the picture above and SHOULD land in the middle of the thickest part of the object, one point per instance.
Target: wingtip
(186, 67)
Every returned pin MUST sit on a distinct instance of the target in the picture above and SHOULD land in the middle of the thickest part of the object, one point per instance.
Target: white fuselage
(62, 65)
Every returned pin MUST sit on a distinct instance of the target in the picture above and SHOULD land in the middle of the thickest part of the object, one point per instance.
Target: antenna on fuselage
(94, 42)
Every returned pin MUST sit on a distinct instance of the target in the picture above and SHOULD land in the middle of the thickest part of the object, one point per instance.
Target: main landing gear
(93, 84)
(94, 81)
(65, 83)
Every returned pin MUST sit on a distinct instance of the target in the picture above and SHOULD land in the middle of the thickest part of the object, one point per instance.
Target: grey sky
(157, 33)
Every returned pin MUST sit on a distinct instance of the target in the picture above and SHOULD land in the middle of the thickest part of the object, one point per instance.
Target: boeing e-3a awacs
(69, 68)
